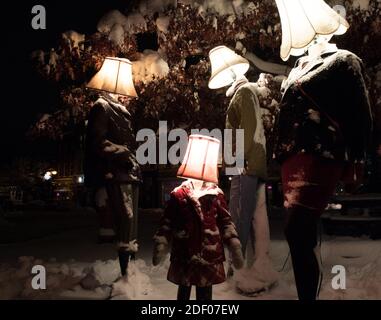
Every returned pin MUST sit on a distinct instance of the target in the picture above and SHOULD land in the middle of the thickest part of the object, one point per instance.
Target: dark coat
(110, 145)
(326, 111)
(197, 226)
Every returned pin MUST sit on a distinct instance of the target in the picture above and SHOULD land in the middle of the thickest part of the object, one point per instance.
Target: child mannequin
(197, 223)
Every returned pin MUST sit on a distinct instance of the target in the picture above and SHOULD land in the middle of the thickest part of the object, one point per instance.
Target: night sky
(25, 95)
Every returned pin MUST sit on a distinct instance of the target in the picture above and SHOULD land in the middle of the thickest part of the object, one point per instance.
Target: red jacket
(197, 224)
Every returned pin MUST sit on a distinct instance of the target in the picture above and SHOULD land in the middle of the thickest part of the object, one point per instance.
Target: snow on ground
(72, 279)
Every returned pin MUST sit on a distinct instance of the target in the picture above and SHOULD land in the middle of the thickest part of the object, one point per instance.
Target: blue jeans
(243, 201)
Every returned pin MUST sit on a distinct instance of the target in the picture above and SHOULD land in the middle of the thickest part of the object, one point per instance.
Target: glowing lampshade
(115, 76)
(226, 67)
(201, 159)
(303, 20)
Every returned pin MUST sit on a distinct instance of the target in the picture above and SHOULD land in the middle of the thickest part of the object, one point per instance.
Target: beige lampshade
(303, 20)
(226, 67)
(201, 159)
(115, 76)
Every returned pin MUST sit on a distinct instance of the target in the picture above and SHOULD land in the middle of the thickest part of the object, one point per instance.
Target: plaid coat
(197, 224)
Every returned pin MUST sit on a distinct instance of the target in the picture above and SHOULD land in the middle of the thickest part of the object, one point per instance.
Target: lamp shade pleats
(226, 67)
(115, 76)
(304, 20)
(201, 159)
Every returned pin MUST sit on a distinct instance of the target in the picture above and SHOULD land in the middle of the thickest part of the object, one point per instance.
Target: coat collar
(115, 105)
(207, 189)
(195, 195)
(297, 73)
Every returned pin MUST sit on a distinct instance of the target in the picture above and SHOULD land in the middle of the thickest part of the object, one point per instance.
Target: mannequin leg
(123, 202)
(242, 205)
(261, 224)
(183, 293)
(204, 293)
(308, 183)
(301, 235)
(103, 209)
(124, 259)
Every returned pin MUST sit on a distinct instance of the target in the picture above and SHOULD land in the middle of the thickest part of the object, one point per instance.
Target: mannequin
(320, 46)
(313, 55)
(113, 172)
(247, 194)
(197, 225)
(324, 100)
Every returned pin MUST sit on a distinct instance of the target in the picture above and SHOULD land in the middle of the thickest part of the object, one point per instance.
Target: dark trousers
(308, 183)
(117, 205)
(202, 293)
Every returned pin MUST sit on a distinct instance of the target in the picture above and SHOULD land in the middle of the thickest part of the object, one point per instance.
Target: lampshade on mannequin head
(306, 22)
(114, 77)
(200, 162)
(227, 66)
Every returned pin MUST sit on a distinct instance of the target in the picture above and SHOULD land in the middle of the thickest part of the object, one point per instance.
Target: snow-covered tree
(171, 75)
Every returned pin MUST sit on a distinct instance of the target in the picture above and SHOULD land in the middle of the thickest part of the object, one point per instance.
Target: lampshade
(303, 20)
(226, 67)
(201, 159)
(115, 76)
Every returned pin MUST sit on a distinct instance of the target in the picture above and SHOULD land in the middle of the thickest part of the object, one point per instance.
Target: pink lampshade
(201, 159)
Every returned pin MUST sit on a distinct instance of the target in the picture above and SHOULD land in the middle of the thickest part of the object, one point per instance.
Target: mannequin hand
(236, 252)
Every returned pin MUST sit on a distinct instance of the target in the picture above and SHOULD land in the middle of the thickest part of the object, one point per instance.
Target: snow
(117, 35)
(74, 39)
(361, 4)
(360, 257)
(116, 25)
(106, 272)
(137, 286)
(162, 24)
(314, 115)
(150, 66)
(135, 23)
(111, 18)
(131, 246)
(53, 59)
(240, 47)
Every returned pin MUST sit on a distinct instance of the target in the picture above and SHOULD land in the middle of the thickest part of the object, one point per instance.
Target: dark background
(25, 96)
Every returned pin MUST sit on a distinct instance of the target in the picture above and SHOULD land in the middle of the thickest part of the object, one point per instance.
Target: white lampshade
(201, 159)
(115, 76)
(303, 20)
(226, 67)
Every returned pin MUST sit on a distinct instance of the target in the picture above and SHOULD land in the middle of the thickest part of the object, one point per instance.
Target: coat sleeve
(241, 115)
(164, 233)
(224, 221)
(359, 123)
(97, 136)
